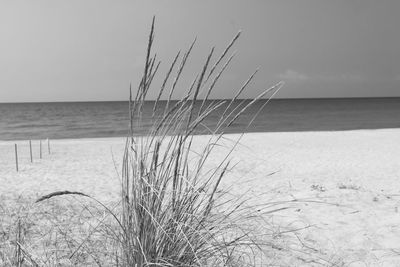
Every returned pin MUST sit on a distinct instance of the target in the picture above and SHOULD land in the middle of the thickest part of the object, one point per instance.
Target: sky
(91, 50)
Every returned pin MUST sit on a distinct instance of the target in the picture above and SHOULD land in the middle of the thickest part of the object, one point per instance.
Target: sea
(56, 120)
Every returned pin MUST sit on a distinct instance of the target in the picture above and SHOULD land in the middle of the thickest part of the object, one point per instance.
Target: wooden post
(16, 156)
(40, 149)
(30, 150)
(48, 145)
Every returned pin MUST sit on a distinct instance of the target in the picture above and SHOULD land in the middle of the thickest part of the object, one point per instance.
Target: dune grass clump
(172, 210)
(173, 213)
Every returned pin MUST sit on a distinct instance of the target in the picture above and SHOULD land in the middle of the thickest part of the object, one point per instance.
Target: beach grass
(173, 212)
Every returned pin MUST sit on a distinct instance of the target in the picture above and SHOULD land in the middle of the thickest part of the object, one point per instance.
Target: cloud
(294, 76)
(291, 75)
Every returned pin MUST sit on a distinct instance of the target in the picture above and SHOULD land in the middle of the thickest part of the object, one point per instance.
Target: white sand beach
(344, 185)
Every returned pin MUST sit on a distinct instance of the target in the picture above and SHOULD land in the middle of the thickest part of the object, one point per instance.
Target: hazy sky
(80, 50)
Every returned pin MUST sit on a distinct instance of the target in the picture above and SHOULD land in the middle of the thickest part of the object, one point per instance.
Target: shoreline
(228, 134)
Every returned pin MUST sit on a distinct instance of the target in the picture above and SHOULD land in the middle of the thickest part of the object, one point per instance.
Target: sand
(343, 187)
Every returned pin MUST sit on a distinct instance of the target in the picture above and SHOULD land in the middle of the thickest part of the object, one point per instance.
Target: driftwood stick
(30, 150)
(16, 157)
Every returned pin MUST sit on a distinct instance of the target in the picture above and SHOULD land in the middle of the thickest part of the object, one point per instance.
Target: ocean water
(107, 119)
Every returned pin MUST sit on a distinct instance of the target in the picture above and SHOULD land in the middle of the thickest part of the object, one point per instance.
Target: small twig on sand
(60, 193)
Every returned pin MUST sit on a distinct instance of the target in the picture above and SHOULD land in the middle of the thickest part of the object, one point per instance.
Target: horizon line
(214, 99)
